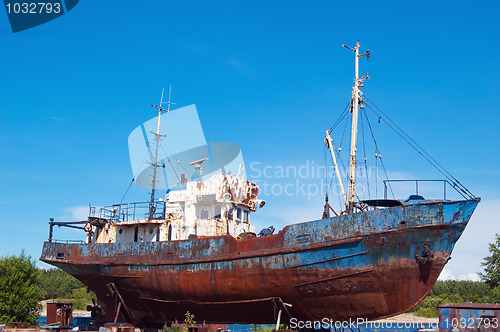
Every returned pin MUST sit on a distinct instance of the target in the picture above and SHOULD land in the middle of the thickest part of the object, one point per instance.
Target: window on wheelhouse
(218, 212)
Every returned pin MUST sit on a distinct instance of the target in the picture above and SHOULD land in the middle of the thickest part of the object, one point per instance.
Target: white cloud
(469, 276)
(75, 213)
(446, 275)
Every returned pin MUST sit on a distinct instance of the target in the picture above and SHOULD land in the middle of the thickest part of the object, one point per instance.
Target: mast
(356, 98)
(152, 207)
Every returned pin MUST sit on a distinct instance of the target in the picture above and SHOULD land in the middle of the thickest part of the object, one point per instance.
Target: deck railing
(128, 212)
(445, 183)
(112, 213)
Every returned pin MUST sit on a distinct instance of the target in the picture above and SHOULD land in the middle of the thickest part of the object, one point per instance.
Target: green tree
(20, 292)
(57, 283)
(81, 298)
(491, 264)
(456, 291)
(495, 295)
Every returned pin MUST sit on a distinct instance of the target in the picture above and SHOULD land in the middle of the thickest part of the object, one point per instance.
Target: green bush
(20, 292)
(427, 312)
(82, 298)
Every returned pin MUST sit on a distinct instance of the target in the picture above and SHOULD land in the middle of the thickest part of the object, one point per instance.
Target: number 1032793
(33, 8)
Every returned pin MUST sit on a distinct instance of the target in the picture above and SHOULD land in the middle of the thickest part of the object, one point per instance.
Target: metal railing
(69, 224)
(112, 213)
(67, 241)
(128, 212)
(445, 183)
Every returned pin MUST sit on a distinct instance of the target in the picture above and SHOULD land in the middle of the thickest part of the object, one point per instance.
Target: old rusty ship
(195, 250)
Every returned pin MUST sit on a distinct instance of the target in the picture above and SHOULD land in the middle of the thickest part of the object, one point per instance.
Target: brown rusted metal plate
(354, 266)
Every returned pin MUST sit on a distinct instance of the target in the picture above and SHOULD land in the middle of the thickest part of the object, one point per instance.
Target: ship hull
(366, 265)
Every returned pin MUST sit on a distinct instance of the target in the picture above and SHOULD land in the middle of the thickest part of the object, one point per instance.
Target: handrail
(416, 186)
(70, 224)
(67, 241)
(128, 211)
(114, 213)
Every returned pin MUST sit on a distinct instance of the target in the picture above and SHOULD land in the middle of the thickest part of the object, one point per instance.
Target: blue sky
(270, 76)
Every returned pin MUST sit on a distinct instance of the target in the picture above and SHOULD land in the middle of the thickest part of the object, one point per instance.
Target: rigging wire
(378, 155)
(342, 164)
(341, 117)
(331, 181)
(326, 168)
(177, 160)
(126, 191)
(343, 134)
(359, 164)
(386, 177)
(360, 172)
(420, 150)
(364, 153)
(168, 159)
(327, 175)
(376, 174)
(135, 175)
(337, 151)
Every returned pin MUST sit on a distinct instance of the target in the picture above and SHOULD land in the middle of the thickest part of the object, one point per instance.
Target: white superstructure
(217, 206)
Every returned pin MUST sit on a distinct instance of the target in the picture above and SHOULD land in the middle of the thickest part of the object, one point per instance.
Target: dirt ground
(403, 318)
(410, 318)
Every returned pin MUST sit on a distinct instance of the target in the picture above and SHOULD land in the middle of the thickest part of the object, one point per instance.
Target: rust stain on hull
(363, 265)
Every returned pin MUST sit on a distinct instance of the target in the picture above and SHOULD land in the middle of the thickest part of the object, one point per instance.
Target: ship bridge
(217, 206)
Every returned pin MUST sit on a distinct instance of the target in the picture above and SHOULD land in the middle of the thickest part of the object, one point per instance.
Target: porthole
(120, 231)
(151, 230)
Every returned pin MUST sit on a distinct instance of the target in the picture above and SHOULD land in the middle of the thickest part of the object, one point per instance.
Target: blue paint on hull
(360, 265)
